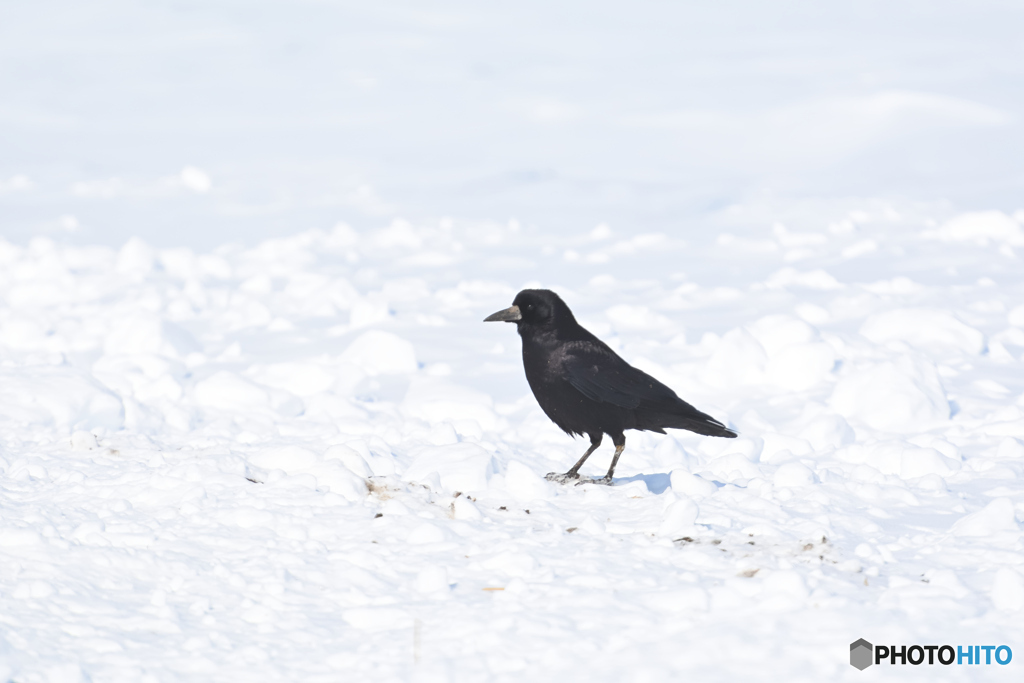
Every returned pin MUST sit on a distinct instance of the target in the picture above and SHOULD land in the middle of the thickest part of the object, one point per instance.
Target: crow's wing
(600, 375)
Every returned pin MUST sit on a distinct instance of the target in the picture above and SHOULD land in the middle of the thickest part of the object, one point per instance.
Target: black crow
(586, 388)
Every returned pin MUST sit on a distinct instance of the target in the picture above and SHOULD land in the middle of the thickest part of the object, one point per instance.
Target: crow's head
(537, 308)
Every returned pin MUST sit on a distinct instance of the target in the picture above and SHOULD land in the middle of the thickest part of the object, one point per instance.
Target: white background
(253, 428)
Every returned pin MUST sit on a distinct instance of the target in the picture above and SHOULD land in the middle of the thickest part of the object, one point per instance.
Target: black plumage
(586, 388)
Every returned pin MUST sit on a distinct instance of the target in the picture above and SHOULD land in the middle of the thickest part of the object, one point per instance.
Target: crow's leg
(595, 441)
(574, 471)
(620, 444)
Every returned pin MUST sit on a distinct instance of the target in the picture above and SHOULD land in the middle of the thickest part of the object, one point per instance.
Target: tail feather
(710, 428)
(683, 417)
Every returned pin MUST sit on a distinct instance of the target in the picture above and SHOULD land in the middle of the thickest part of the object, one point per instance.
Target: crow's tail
(707, 427)
(684, 416)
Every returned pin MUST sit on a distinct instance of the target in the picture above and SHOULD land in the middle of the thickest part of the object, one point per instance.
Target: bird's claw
(578, 479)
(561, 478)
(603, 481)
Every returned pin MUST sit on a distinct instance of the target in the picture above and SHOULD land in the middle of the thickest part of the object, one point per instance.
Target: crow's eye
(529, 307)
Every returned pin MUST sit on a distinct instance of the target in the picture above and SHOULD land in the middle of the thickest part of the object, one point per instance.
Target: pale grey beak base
(509, 315)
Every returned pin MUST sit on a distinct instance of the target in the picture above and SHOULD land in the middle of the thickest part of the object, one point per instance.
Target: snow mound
(58, 397)
(637, 318)
(930, 330)
(801, 367)
(350, 458)
(776, 333)
(686, 483)
(303, 379)
(738, 360)
(304, 467)
(459, 467)
(464, 509)
(524, 484)
(1008, 590)
(827, 432)
(432, 580)
(995, 517)
(780, 350)
(227, 390)
(435, 400)
(793, 475)
(796, 357)
(679, 518)
(904, 395)
(137, 334)
(291, 459)
(376, 352)
(979, 228)
(920, 462)
(1016, 316)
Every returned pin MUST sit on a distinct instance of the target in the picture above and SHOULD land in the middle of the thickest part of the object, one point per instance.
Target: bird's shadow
(656, 483)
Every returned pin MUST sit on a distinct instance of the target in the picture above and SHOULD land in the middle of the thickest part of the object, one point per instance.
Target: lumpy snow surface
(310, 460)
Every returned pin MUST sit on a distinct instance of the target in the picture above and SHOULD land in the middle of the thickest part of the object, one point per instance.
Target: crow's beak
(509, 315)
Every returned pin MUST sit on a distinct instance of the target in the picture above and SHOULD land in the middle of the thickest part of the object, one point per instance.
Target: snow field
(310, 460)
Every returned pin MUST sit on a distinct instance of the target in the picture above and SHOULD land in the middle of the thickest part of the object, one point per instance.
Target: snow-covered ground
(252, 427)
(646, 115)
(311, 460)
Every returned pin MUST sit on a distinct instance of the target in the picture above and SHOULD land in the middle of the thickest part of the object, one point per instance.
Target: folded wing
(601, 375)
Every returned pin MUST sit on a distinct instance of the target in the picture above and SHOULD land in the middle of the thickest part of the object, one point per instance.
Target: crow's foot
(603, 481)
(577, 479)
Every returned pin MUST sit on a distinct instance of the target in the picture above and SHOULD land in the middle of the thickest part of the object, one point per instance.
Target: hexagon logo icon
(861, 654)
